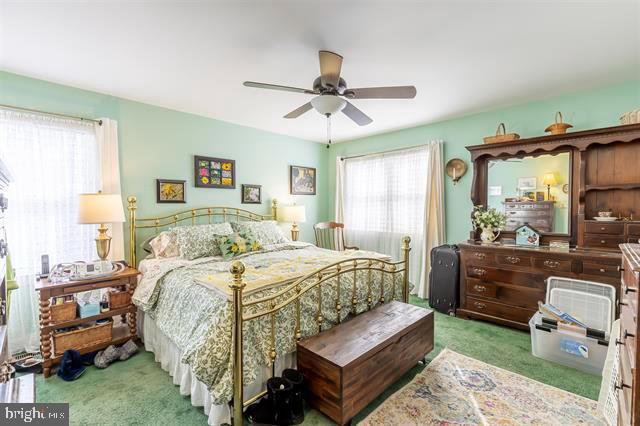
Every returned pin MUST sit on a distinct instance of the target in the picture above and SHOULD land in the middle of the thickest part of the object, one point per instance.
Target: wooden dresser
(539, 215)
(610, 234)
(628, 386)
(503, 283)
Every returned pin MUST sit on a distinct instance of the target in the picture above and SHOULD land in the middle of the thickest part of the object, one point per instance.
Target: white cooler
(591, 303)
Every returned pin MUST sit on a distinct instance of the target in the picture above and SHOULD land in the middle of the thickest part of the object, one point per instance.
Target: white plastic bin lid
(593, 310)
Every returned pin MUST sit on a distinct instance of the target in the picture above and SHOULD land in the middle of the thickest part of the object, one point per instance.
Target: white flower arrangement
(488, 218)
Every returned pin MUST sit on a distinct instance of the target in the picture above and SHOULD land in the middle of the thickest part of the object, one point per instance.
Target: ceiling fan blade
(330, 66)
(392, 92)
(356, 115)
(299, 111)
(278, 87)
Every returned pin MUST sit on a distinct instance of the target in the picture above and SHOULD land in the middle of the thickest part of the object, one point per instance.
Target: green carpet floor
(139, 392)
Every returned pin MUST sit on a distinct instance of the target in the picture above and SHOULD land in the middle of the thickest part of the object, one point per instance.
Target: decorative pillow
(200, 240)
(266, 232)
(164, 245)
(237, 244)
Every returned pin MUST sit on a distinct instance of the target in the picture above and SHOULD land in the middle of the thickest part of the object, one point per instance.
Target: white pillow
(165, 245)
(266, 232)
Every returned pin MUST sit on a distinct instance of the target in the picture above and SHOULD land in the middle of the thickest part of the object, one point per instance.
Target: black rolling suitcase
(444, 279)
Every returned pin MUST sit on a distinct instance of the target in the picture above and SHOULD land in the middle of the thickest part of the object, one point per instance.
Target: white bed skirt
(169, 356)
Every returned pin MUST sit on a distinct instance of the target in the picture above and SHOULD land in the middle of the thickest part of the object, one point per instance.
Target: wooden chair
(330, 235)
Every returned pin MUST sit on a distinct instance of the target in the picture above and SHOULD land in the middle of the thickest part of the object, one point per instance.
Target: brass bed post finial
(406, 248)
(132, 229)
(237, 269)
(274, 208)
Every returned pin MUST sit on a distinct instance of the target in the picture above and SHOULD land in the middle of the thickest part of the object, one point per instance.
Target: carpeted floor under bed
(139, 392)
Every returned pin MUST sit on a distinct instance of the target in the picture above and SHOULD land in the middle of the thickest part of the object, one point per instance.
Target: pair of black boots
(283, 405)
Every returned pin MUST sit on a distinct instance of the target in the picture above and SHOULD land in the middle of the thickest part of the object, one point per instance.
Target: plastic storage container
(590, 302)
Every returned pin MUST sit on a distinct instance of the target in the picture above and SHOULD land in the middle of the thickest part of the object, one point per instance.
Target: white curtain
(51, 161)
(387, 196)
(107, 138)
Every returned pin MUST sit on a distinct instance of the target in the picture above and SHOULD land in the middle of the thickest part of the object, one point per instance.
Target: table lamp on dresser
(294, 214)
(100, 209)
(549, 180)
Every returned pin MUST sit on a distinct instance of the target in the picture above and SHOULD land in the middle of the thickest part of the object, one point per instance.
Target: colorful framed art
(171, 191)
(213, 172)
(302, 180)
(251, 194)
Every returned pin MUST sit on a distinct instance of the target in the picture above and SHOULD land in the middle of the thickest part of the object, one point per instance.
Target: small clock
(565, 188)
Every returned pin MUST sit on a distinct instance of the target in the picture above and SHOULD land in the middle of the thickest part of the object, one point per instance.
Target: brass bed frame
(289, 294)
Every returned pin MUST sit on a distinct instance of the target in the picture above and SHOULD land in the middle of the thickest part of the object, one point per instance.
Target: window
(384, 200)
(51, 161)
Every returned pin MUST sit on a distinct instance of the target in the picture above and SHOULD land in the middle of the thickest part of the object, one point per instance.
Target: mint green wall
(589, 109)
(160, 143)
(506, 173)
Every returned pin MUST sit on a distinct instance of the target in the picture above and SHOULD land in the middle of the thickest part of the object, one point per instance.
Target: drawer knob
(551, 263)
(620, 268)
(603, 242)
(479, 288)
(628, 290)
(603, 229)
(603, 270)
(479, 271)
(627, 334)
(479, 305)
(619, 342)
(621, 386)
(480, 255)
(513, 259)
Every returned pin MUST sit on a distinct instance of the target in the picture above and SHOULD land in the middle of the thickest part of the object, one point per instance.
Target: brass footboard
(269, 306)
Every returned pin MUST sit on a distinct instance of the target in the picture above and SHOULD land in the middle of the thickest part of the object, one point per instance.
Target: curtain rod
(53, 114)
(383, 152)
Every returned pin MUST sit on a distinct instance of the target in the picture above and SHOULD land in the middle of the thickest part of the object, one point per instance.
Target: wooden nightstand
(122, 331)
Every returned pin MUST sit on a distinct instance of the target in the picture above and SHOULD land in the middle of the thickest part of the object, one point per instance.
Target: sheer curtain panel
(51, 160)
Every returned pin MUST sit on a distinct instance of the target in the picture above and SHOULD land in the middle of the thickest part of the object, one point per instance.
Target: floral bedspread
(188, 301)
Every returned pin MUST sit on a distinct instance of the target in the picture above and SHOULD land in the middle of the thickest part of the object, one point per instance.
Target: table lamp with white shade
(549, 180)
(294, 214)
(101, 209)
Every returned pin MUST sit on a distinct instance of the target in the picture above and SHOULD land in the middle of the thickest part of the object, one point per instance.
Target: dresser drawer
(604, 241)
(499, 310)
(625, 382)
(604, 228)
(508, 294)
(628, 332)
(592, 268)
(541, 225)
(528, 214)
(514, 260)
(552, 264)
(528, 206)
(479, 257)
(516, 278)
(633, 228)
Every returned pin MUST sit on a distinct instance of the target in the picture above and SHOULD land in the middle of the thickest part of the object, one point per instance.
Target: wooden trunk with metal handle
(501, 135)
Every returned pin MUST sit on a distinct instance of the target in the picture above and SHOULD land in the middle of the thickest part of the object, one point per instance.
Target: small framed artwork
(527, 183)
(539, 196)
(251, 194)
(495, 190)
(214, 172)
(302, 180)
(171, 191)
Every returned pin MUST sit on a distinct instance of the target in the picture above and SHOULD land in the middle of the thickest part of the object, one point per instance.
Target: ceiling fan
(332, 93)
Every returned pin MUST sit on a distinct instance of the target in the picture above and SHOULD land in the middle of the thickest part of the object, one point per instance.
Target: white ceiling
(193, 56)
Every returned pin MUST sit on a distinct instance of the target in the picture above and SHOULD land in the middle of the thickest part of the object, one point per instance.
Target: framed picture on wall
(171, 191)
(213, 172)
(302, 180)
(527, 183)
(251, 194)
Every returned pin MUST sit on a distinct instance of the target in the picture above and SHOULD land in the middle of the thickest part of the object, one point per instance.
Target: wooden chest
(348, 366)
(539, 214)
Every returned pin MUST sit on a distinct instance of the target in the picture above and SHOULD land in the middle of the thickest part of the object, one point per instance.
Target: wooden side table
(125, 280)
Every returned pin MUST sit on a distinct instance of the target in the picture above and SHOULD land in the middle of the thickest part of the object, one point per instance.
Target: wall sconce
(456, 168)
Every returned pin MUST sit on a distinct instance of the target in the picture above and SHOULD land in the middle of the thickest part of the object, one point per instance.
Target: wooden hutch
(502, 282)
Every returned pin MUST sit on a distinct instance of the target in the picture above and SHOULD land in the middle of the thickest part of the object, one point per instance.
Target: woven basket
(64, 312)
(82, 338)
(501, 135)
(118, 299)
(559, 127)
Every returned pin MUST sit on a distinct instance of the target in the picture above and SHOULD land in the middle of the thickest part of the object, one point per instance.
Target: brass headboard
(211, 213)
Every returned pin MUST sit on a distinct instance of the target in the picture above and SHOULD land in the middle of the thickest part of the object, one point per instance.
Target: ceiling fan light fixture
(328, 104)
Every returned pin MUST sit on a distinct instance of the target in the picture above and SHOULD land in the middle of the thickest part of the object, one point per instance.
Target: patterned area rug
(457, 390)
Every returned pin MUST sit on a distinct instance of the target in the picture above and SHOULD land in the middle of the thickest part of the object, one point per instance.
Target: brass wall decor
(456, 168)
(559, 127)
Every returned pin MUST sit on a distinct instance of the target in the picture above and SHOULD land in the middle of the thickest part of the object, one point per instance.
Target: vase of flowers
(490, 221)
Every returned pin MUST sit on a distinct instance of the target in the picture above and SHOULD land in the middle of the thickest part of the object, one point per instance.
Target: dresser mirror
(532, 190)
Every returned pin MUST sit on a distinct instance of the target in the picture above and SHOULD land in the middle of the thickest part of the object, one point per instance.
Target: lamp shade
(293, 213)
(549, 179)
(100, 208)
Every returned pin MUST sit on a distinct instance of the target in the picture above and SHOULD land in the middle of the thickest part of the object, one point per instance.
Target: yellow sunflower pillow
(236, 244)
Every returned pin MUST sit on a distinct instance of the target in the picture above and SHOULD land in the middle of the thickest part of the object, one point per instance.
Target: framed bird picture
(171, 191)
(214, 172)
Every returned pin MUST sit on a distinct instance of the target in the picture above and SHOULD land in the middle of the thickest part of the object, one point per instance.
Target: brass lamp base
(103, 242)
(294, 232)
